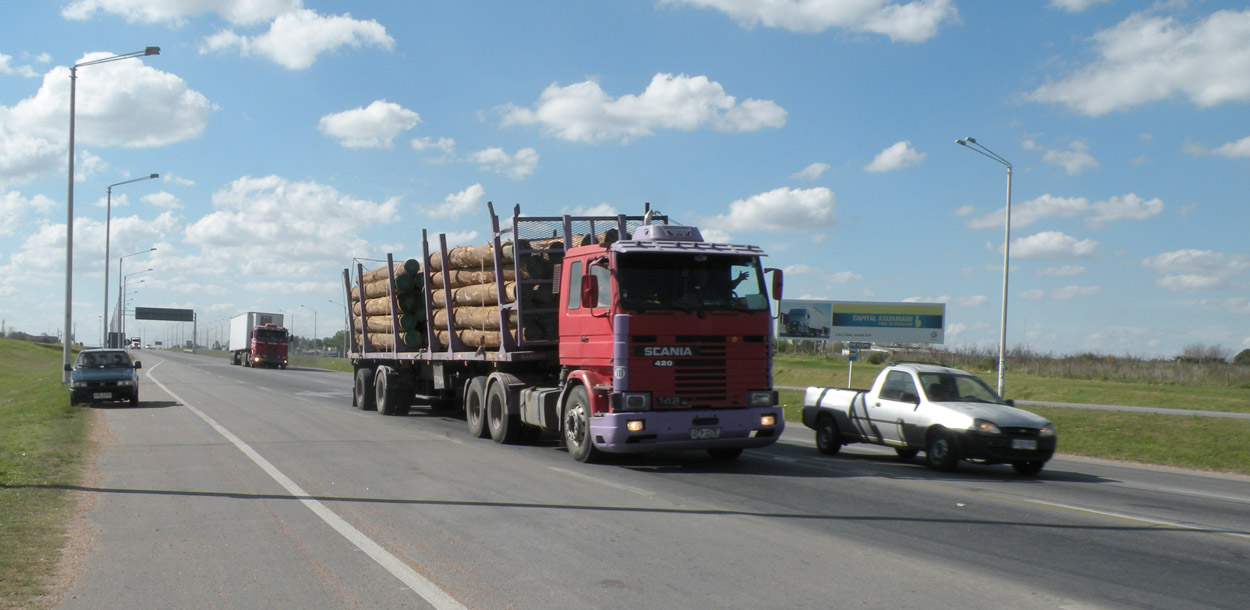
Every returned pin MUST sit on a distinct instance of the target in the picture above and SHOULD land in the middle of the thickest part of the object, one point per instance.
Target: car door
(895, 406)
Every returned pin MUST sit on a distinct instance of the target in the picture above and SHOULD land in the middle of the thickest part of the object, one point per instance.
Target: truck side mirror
(590, 291)
(777, 282)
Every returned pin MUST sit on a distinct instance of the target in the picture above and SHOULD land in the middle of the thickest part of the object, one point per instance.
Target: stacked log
(375, 307)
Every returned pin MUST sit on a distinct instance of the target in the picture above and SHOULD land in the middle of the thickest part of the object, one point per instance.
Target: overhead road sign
(168, 315)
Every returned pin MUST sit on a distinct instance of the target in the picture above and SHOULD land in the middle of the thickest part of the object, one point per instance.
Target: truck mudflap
(702, 429)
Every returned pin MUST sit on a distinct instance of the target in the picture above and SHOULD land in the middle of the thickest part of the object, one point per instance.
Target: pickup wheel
(577, 426)
(363, 391)
(828, 441)
(474, 407)
(942, 450)
(504, 428)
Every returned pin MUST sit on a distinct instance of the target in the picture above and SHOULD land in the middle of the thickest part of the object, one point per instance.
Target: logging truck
(619, 334)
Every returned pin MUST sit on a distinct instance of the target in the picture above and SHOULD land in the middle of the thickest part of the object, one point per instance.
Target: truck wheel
(474, 407)
(828, 441)
(1029, 468)
(388, 395)
(942, 450)
(362, 392)
(504, 428)
(577, 426)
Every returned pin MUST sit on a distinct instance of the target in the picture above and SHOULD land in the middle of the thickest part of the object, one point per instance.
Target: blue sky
(291, 137)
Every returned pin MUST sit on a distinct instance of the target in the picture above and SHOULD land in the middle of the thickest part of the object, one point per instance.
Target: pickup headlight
(985, 426)
(1047, 431)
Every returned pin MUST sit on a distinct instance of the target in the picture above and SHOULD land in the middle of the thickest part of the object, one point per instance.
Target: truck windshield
(690, 282)
(945, 387)
(271, 334)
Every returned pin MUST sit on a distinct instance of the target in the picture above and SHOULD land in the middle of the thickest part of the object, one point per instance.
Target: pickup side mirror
(590, 291)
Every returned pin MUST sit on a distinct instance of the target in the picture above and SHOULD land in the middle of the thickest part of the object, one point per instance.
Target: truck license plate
(102, 395)
(1024, 444)
(698, 433)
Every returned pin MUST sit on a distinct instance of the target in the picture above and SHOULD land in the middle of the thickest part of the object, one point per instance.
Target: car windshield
(104, 360)
(691, 282)
(947, 387)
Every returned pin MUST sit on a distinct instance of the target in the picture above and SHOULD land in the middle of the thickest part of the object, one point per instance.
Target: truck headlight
(987, 427)
(768, 420)
(762, 399)
(1047, 431)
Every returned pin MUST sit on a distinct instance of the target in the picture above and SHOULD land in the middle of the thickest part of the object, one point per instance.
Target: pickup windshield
(691, 282)
(945, 387)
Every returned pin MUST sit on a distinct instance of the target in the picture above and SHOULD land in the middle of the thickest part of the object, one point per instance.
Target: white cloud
(811, 172)
(801, 269)
(1064, 271)
(1126, 207)
(6, 67)
(314, 223)
(843, 277)
(517, 166)
(1068, 293)
(1192, 270)
(915, 21)
(783, 210)
(446, 146)
(1052, 245)
(1147, 58)
(13, 207)
(163, 200)
(1032, 294)
(897, 156)
(583, 112)
(468, 201)
(1075, 6)
(1239, 149)
(296, 39)
(175, 12)
(122, 103)
(373, 127)
(1075, 160)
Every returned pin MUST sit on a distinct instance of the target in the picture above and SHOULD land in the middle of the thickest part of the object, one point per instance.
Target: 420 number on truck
(623, 334)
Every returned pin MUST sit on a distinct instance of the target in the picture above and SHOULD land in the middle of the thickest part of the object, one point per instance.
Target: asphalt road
(244, 488)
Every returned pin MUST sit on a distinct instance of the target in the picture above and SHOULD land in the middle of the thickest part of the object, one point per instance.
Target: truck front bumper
(676, 430)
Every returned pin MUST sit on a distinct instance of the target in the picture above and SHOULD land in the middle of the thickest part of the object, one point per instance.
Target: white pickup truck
(946, 413)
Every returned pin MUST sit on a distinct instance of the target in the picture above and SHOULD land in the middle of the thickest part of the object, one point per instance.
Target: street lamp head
(152, 51)
(961, 142)
(154, 176)
(971, 139)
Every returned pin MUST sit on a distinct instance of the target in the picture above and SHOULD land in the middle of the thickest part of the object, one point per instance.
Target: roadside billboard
(862, 321)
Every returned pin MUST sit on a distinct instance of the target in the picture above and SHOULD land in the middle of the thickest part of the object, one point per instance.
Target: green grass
(43, 449)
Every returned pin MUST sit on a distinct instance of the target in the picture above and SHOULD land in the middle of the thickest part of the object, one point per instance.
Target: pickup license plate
(102, 395)
(1024, 444)
(700, 433)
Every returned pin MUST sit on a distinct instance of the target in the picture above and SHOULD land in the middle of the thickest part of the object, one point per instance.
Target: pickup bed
(947, 413)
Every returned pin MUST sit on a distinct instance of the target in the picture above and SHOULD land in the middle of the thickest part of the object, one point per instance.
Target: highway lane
(188, 516)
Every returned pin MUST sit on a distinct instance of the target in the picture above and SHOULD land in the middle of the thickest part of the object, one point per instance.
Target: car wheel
(134, 398)
(828, 441)
(1029, 468)
(942, 450)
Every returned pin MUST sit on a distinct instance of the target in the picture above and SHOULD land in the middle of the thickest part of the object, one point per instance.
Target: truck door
(895, 406)
(585, 330)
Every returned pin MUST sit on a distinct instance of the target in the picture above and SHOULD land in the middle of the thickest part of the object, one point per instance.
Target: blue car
(104, 375)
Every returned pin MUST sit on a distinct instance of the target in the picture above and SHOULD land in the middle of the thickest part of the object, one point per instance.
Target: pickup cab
(949, 414)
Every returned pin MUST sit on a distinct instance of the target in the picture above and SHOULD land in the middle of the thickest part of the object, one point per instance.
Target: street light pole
(973, 145)
(67, 351)
(121, 311)
(108, 223)
(121, 303)
(314, 337)
(346, 329)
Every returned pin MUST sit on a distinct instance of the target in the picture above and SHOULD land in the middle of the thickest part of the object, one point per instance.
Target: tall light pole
(67, 352)
(346, 329)
(971, 144)
(314, 324)
(121, 303)
(108, 222)
(121, 311)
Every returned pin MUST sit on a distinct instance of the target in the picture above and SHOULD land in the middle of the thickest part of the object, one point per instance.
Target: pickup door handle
(876, 404)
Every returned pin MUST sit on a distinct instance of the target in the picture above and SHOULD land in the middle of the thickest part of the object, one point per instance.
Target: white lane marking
(414, 581)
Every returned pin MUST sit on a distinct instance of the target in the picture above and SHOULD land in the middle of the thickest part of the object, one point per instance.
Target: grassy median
(43, 449)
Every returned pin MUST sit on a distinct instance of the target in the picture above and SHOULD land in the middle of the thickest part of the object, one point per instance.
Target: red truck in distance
(258, 339)
(621, 334)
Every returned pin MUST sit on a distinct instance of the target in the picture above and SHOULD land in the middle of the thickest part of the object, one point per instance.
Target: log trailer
(623, 334)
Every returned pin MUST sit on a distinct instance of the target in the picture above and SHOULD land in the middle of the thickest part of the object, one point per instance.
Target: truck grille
(718, 373)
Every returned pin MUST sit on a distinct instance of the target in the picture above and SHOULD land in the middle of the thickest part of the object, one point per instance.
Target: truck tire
(363, 392)
(577, 426)
(475, 407)
(828, 440)
(941, 450)
(389, 395)
(504, 428)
